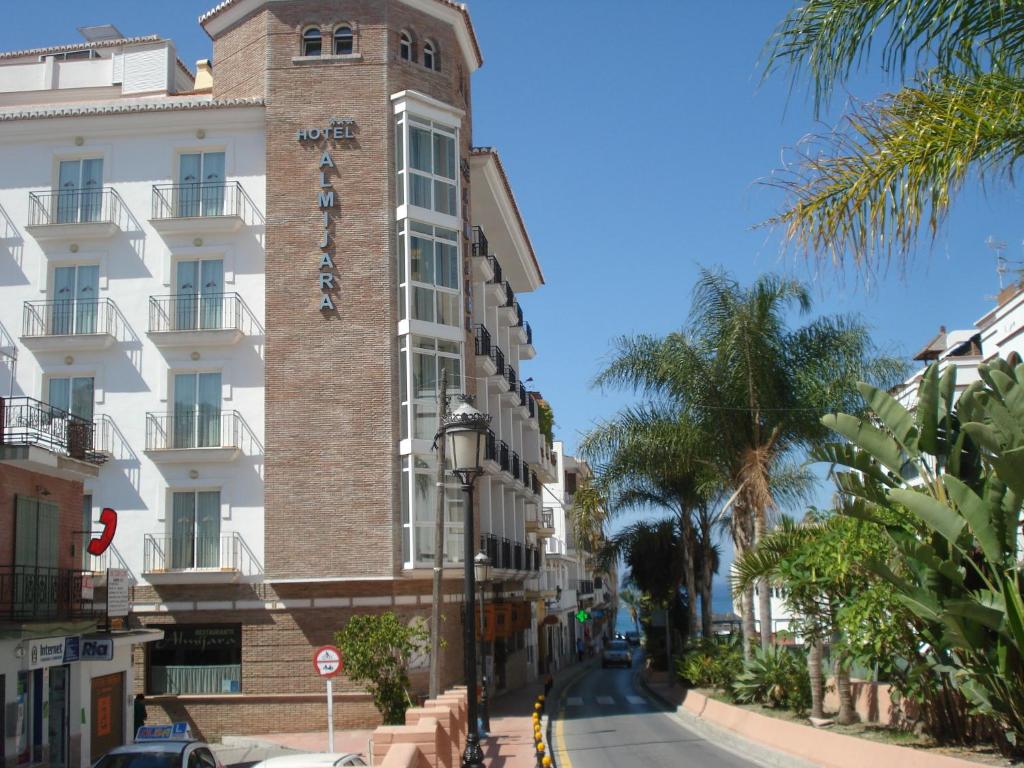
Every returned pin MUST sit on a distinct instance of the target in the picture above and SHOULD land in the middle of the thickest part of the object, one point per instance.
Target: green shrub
(776, 678)
(711, 664)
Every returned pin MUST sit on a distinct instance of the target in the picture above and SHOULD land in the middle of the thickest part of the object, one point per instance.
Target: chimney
(204, 76)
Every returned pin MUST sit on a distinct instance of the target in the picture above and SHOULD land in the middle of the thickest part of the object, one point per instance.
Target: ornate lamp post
(482, 571)
(465, 429)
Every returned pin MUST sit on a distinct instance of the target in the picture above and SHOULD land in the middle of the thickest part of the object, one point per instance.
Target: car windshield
(617, 645)
(141, 760)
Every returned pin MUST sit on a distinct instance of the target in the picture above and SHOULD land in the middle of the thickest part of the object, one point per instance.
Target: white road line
(636, 700)
(574, 701)
(606, 700)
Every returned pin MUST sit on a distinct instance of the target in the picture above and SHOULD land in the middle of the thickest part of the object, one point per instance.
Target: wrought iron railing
(512, 378)
(516, 472)
(529, 332)
(510, 296)
(519, 316)
(34, 593)
(200, 312)
(526, 474)
(483, 341)
(27, 421)
(69, 317)
(199, 428)
(490, 446)
(495, 270)
(489, 544)
(536, 559)
(535, 483)
(584, 587)
(506, 554)
(547, 517)
(531, 405)
(517, 556)
(499, 359)
(168, 553)
(503, 455)
(522, 395)
(201, 199)
(88, 205)
(480, 245)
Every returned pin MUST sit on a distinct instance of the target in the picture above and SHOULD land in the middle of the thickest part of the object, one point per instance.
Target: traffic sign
(327, 661)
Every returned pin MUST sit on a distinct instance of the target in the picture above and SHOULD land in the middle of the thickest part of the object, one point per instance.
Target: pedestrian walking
(140, 711)
(579, 649)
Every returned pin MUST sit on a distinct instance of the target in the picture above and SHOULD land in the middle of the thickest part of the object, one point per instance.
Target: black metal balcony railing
(547, 517)
(531, 405)
(526, 474)
(489, 544)
(490, 446)
(496, 269)
(26, 421)
(529, 333)
(87, 205)
(511, 372)
(506, 554)
(483, 341)
(522, 395)
(536, 484)
(199, 200)
(163, 553)
(196, 428)
(499, 359)
(199, 312)
(69, 317)
(515, 466)
(503, 456)
(510, 296)
(528, 558)
(480, 245)
(519, 316)
(33, 593)
(536, 559)
(517, 556)
(584, 587)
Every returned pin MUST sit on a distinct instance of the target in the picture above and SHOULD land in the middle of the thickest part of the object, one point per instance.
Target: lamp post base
(473, 757)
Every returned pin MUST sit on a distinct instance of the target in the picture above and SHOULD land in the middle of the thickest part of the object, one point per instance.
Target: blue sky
(635, 143)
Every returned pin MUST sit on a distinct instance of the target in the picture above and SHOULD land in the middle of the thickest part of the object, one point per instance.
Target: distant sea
(721, 602)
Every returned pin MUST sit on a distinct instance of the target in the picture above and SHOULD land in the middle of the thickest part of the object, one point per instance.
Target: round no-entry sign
(327, 661)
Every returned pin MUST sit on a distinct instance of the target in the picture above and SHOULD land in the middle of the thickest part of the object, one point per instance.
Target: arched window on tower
(405, 47)
(343, 40)
(312, 43)
(431, 57)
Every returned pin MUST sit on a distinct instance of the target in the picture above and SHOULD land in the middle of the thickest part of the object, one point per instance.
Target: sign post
(327, 661)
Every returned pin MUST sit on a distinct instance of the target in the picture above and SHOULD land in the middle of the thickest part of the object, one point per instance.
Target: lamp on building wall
(465, 429)
(482, 572)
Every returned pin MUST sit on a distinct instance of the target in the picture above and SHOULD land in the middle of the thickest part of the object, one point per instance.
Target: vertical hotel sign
(326, 202)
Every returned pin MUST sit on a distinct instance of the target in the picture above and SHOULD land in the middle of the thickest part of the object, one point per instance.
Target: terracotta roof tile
(81, 46)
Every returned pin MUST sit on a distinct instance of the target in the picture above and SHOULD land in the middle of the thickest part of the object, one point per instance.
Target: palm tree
(894, 165)
(631, 599)
(756, 387)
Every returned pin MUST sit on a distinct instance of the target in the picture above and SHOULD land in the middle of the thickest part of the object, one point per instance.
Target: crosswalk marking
(574, 701)
(636, 700)
(606, 700)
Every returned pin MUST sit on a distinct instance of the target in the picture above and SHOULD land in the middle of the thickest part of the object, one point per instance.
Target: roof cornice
(128, 107)
(228, 12)
(81, 46)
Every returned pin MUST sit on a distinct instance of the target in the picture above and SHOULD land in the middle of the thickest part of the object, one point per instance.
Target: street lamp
(465, 429)
(482, 571)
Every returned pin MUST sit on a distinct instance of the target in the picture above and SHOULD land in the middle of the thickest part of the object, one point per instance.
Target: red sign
(98, 546)
(327, 661)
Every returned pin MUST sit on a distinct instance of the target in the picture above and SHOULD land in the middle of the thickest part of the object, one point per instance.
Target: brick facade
(66, 494)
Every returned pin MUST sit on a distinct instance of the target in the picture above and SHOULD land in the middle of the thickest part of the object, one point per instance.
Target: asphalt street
(607, 720)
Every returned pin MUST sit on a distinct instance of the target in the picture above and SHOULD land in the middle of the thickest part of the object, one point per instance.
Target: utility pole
(435, 607)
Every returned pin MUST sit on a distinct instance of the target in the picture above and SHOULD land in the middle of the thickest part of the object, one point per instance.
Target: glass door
(59, 711)
(201, 180)
(195, 530)
(200, 295)
(80, 191)
(197, 410)
(74, 395)
(76, 302)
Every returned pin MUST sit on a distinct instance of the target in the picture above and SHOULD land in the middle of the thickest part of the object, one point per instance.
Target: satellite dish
(100, 33)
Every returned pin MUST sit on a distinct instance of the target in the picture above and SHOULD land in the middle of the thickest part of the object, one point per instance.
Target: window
(201, 184)
(431, 60)
(195, 530)
(429, 356)
(75, 304)
(429, 274)
(431, 167)
(419, 509)
(311, 42)
(86, 531)
(343, 41)
(197, 410)
(196, 658)
(80, 191)
(199, 299)
(36, 534)
(74, 395)
(405, 47)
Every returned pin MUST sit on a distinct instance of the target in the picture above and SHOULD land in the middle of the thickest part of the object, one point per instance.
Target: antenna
(998, 247)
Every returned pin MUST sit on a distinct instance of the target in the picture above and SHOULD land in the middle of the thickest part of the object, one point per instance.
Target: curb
(752, 751)
(557, 695)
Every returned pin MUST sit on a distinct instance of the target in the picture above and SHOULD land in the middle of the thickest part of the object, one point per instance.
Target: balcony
(526, 349)
(75, 214)
(495, 287)
(511, 394)
(200, 320)
(43, 438)
(190, 435)
(517, 557)
(523, 401)
(35, 593)
(543, 525)
(491, 459)
(500, 375)
(516, 468)
(71, 325)
(485, 364)
(508, 305)
(200, 208)
(584, 587)
(504, 459)
(483, 269)
(489, 545)
(167, 559)
(505, 561)
(98, 565)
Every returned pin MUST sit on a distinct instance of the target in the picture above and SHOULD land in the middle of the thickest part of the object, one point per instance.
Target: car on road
(161, 747)
(633, 638)
(314, 760)
(616, 653)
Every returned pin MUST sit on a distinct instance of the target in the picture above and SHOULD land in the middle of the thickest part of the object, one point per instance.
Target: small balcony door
(80, 193)
(195, 530)
(201, 180)
(76, 299)
(36, 536)
(74, 394)
(200, 295)
(197, 410)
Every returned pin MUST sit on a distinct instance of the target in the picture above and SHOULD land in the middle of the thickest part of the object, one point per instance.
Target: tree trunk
(742, 534)
(707, 579)
(668, 640)
(435, 607)
(817, 677)
(689, 571)
(847, 713)
(764, 590)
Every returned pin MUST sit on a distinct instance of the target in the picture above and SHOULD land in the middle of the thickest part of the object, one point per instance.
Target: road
(609, 721)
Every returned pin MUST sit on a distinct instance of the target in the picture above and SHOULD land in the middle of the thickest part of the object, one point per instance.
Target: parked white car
(313, 760)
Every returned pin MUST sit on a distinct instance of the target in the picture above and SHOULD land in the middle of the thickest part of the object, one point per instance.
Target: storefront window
(197, 658)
